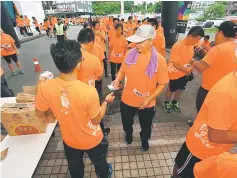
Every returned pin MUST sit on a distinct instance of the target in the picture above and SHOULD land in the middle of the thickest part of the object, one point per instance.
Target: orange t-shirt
(48, 24)
(206, 44)
(130, 27)
(27, 22)
(98, 51)
(74, 104)
(219, 111)
(219, 166)
(103, 27)
(6, 45)
(132, 45)
(119, 48)
(90, 68)
(160, 29)
(136, 81)
(100, 40)
(181, 53)
(20, 22)
(111, 32)
(159, 43)
(222, 60)
(36, 23)
(66, 21)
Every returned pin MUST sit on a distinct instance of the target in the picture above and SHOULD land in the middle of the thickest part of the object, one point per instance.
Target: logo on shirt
(202, 135)
(171, 68)
(65, 102)
(94, 128)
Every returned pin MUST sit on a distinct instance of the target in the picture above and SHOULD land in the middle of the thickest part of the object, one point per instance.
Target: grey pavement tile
(158, 150)
(139, 157)
(69, 175)
(132, 158)
(93, 175)
(37, 176)
(126, 173)
(117, 153)
(153, 156)
(51, 162)
(138, 151)
(118, 174)
(165, 170)
(169, 162)
(148, 164)
(54, 176)
(110, 159)
(65, 163)
(124, 152)
(118, 166)
(159, 177)
(110, 153)
(53, 156)
(142, 172)
(152, 150)
(64, 169)
(162, 163)
(39, 170)
(60, 155)
(173, 154)
(140, 165)
(157, 171)
(45, 176)
(155, 163)
(150, 172)
(166, 176)
(164, 149)
(171, 169)
(118, 159)
(133, 165)
(88, 168)
(134, 173)
(58, 162)
(125, 165)
(63, 176)
(56, 170)
(160, 156)
(146, 157)
(49, 149)
(48, 170)
(167, 155)
(46, 156)
(124, 158)
(43, 163)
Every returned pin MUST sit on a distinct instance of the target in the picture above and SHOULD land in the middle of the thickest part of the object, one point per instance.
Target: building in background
(67, 8)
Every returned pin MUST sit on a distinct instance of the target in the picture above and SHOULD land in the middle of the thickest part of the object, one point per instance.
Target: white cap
(143, 33)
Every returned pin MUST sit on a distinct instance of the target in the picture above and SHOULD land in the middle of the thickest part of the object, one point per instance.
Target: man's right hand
(110, 97)
(115, 84)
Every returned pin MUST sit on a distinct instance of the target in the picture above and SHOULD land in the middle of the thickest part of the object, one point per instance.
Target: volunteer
(91, 69)
(219, 166)
(102, 35)
(21, 25)
(159, 41)
(60, 31)
(129, 27)
(146, 75)
(9, 52)
(35, 22)
(219, 61)
(5, 91)
(180, 71)
(118, 50)
(215, 128)
(27, 23)
(78, 111)
(45, 26)
(54, 21)
(206, 43)
(112, 33)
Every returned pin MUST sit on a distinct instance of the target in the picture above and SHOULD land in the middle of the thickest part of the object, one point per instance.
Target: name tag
(136, 92)
(117, 55)
(187, 65)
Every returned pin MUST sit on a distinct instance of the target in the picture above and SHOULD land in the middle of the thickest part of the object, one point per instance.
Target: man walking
(146, 75)
(60, 31)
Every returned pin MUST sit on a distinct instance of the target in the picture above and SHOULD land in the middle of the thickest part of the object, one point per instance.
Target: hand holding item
(145, 103)
(110, 98)
(115, 84)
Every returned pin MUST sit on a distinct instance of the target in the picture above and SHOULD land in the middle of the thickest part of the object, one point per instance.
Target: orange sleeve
(11, 39)
(40, 101)
(162, 41)
(174, 54)
(211, 56)
(98, 68)
(162, 71)
(221, 111)
(102, 55)
(93, 104)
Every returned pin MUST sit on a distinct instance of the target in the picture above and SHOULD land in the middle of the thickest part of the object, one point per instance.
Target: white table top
(24, 151)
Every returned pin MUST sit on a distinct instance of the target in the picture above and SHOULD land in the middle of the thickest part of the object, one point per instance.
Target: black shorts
(22, 28)
(178, 84)
(10, 58)
(186, 161)
(201, 95)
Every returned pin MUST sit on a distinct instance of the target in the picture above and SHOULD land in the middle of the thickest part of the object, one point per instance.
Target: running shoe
(145, 145)
(175, 106)
(22, 72)
(167, 106)
(14, 73)
(129, 139)
(110, 170)
(106, 131)
(190, 123)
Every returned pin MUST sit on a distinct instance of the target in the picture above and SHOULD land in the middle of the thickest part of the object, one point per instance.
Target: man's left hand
(145, 103)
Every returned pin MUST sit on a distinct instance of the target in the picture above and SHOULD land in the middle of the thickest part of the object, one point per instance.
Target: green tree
(106, 7)
(150, 8)
(157, 7)
(128, 6)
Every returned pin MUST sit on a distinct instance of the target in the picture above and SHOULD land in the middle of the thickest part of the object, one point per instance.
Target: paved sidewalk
(127, 161)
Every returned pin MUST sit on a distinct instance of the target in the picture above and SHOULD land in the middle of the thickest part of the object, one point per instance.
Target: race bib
(136, 92)
(118, 55)
(187, 65)
(7, 47)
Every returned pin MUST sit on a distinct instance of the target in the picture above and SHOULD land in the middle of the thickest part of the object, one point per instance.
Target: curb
(32, 38)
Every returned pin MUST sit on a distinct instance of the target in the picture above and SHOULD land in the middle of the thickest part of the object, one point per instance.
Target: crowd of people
(137, 56)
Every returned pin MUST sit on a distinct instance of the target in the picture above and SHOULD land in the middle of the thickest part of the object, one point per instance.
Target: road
(40, 49)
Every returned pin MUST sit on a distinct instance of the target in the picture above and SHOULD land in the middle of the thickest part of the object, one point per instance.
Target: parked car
(208, 24)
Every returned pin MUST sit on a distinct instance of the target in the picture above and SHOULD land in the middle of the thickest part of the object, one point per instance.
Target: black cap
(229, 29)
(130, 18)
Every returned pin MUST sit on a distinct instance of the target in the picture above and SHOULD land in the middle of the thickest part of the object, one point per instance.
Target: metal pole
(122, 7)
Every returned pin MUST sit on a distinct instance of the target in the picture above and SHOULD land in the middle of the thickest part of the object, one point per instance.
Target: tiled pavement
(127, 161)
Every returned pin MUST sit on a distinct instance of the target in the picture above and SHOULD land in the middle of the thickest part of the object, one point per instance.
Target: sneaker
(190, 123)
(129, 139)
(145, 145)
(14, 73)
(175, 106)
(110, 170)
(106, 131)
(167, 106)
(22, 72)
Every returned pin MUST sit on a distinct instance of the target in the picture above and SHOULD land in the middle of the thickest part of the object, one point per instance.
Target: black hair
(153, 22)
(59, 19)
(118, 26)
(130, 18)
(114, 19)
(21, 16)
(139, 21)
(86, 35)
(122, 20)
(228, 28)
(207, 37)
(135, 28)
(94, 23)
(196, 31)
(86, 25)
(66, 55)
(144, 20)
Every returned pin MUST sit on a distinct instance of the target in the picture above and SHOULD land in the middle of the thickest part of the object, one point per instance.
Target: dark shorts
(10, 58)
(178, 84)
(22, 28)
(60, 38)
(186, 161)
(201, 95)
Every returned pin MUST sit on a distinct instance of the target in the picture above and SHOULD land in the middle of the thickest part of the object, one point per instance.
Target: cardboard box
(50, 116)
(29, 89)
(25, 98)
(4, 146)
(21, 119)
